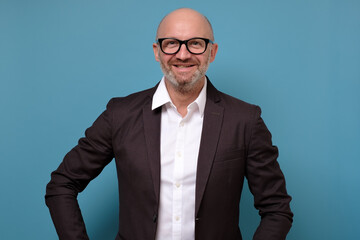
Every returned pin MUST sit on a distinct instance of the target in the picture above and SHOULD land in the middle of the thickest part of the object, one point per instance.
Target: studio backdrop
(61, 62)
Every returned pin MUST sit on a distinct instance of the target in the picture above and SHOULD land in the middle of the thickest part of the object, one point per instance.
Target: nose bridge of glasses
(181, 43)
(183, 50)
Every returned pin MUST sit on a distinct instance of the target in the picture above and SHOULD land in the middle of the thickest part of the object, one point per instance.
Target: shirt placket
(178, 176)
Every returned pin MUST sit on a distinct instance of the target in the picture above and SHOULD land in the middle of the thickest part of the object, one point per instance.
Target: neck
(182, 99)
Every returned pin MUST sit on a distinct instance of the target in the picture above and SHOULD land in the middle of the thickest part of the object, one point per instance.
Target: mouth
(184, 67)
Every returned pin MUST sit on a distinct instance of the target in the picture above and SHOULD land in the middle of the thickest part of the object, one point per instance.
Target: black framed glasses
(193, 45)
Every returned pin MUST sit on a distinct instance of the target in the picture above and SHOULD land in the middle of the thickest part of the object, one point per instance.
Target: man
(182, 150)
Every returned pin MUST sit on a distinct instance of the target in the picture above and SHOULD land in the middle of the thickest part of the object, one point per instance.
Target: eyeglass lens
(195, 45)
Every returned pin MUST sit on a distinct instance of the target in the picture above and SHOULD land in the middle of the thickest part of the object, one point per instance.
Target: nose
(183, 53)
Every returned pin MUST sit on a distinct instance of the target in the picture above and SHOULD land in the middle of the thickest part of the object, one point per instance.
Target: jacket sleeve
(82, 164)
(267, 184)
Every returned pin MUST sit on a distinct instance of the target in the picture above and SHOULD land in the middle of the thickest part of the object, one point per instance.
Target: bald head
(186, 20)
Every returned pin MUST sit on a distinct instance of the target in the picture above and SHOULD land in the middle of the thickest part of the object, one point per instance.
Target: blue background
(61, 61)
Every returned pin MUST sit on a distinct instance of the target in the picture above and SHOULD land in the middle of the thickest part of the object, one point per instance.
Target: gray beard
(185, 86)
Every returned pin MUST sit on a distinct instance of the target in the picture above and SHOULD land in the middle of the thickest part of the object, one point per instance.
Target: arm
(82, 164)
(267, 184)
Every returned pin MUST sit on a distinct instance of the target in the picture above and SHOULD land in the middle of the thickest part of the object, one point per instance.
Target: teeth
(183, 66)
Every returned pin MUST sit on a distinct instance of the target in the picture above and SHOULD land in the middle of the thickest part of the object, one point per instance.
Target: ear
(156, 52)
(214, 49)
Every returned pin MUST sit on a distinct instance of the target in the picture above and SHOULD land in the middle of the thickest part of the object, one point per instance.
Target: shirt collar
(161, 97)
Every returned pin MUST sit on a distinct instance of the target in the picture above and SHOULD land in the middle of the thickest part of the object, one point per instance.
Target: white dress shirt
(180, 141)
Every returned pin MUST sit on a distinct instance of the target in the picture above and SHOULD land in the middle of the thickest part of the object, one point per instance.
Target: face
(183, 70)
(183, 75)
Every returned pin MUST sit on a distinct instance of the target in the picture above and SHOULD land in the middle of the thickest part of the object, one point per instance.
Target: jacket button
(197, 219)
(154, 217)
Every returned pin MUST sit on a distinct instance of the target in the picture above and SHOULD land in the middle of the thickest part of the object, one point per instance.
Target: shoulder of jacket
(134, 100)
(228, 101)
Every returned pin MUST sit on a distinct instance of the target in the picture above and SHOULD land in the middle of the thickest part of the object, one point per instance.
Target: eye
(170, 43)
(196, 43)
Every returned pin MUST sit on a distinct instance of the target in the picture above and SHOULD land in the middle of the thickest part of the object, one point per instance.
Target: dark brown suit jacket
(235, 143)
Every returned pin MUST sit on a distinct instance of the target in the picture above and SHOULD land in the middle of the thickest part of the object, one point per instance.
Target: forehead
(184, 26)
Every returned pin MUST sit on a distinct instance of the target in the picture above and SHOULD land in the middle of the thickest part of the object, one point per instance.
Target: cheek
(203, 59)
(168, 60)
(164, 58)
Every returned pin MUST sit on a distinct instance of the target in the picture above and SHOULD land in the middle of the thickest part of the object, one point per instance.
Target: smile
(183, 66)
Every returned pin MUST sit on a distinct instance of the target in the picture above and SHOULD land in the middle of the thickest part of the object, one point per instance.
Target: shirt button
(177, 185)
(177, 218)
(179, 154)
(181, 124)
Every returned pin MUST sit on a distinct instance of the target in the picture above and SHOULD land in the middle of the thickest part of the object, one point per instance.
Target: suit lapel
(213, 117)
(151, 119)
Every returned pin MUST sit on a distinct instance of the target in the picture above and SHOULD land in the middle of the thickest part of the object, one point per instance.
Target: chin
(181, 83)
(184, 85)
